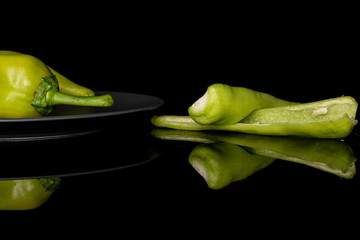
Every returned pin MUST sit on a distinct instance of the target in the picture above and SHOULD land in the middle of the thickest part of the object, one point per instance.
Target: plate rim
(158, 102)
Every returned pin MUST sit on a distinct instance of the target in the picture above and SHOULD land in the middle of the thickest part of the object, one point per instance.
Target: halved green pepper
(26, 194)
(224, 104)
(331, 118)
(29, 89)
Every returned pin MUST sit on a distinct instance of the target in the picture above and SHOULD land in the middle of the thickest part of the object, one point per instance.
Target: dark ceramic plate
(124, 103)
(70, 121)
(80, 140)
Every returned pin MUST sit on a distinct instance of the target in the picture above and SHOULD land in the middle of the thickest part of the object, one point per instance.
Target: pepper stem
(47, 96)
(94, 101)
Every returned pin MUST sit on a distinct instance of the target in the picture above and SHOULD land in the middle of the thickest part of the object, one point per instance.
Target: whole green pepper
(65, 85)
(26, 194)
(224, 104)
(29, 89)
(331, 118)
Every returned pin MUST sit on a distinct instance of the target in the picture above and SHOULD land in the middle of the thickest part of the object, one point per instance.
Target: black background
(175, 53)
(300, 54)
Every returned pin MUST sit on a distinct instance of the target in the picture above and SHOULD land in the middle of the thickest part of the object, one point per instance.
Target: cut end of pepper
(212, 106)
(107, 100)
(200, 104)
(200, 168)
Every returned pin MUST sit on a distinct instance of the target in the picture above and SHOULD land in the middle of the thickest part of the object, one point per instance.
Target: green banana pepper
(331, 118)
(26, 194)
(28, 89)
(224, 104)
(65, 84)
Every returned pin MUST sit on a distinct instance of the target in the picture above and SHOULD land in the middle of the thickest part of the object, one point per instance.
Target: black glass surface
(118, 178)
(128, 168)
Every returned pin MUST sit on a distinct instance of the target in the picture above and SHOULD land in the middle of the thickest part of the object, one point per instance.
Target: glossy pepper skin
(224, 104)
(26, 194)
(331, 118)
(65, 84)
(69, 87)
(20, 76)
(29, 89)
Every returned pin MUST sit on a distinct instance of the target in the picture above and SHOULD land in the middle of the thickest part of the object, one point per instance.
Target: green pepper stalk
(29, 89)
(26, 194)
(331, 118)
(223, 104)
(47, 96)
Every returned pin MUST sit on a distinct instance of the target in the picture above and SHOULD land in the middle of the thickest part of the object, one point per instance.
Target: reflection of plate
(25, 137)
(124, 103)
(101, 151)
(70, 121)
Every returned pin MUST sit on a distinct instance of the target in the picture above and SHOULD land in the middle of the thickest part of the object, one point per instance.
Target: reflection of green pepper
(332, 156)
(65, 85)
(221, 163)
(29, 89)
(26, 194)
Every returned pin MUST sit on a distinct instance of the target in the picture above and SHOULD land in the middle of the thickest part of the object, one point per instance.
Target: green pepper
(65, 85)
(224, 104)
(331, 118)
(332, 156)
(221, 163)
(26, 194)
(29, 89)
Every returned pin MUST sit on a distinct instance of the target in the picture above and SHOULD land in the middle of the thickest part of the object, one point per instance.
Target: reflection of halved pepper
(331, 156)
(29, 89)
(26, 194)
(222, 163)
(65, 84)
